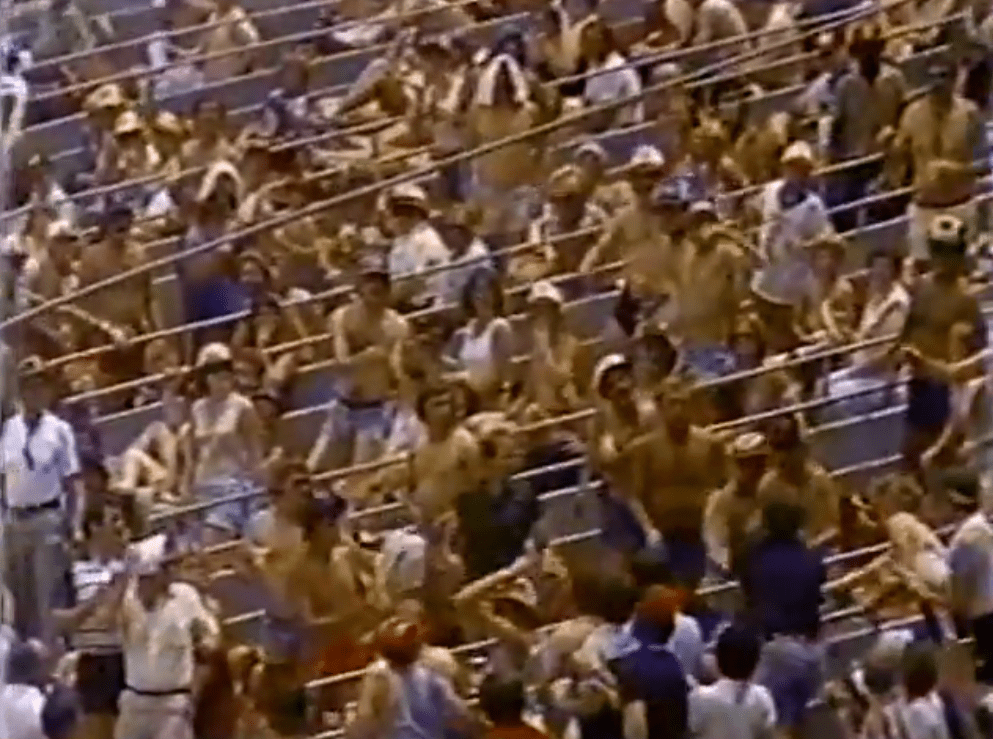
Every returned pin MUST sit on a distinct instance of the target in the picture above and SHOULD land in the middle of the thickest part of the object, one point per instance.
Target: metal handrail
(835, 641)
(669, 55)
(412, 175)
(375, 465)
(337, 133)
(840, 558)
(356, 130)
(461, 264)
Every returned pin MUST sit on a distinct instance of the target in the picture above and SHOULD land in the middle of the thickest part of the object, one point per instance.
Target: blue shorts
(350, 419)
(929, 405)
(619, 527)
(708, 362)
(230, 516)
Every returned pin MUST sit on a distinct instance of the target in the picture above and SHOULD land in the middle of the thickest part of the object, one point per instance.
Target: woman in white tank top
(225, 445)
(483, 346)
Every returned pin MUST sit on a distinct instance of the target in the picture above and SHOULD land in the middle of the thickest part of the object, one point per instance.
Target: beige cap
(105, 97)
(168, 122)
(605, 365)
(750, 444)
(128, 122)
(545, 290)
(646, 159)
(409, 194)
(565, 182)
(215, 353)
(798, 151)
(593, 149)
(57, 229)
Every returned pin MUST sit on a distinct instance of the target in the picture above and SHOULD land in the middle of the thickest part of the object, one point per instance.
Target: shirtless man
(446, 464)
(323, 591)
(678, 465)
(795, 478)
(365, 332)
(437, 472)
(127, 306)
(712, 281)
(638, 232)
(940, 301)
(940, 136)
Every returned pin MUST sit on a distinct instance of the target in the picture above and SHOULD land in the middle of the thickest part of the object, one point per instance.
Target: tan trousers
(154, 717)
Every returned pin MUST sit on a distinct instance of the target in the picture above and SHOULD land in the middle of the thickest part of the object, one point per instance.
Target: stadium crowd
(385, 369)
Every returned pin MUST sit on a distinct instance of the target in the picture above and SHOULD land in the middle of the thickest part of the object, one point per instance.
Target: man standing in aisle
(42, 495)
(941, 301)
(164, 625)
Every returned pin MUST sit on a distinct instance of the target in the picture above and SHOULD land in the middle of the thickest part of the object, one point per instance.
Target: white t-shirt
(35, 465)
(20, 712)
(159, 644)
(420, 249)
(614, 80)
(729, 709)
(923, 718)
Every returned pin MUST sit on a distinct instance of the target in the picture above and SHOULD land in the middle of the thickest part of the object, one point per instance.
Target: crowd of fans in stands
(449, 401)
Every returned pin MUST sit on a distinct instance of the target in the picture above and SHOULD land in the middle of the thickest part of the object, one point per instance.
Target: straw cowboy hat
(212, 177)
(947, 235)
(34, 368)
(703, 208)
(565, 182)
(647, 161)
(128, 122)
(592, 150)
(105, 97)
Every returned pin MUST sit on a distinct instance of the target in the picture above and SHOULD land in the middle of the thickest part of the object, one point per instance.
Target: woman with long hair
(550, 383)
(483, 347)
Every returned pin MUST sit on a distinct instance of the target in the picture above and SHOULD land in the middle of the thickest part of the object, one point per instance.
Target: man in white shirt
(14, 94)
(970, 559)
(734, 707)
(40, 468)
(164, 625)
(21, 698)
(416, 248)
(793, 215)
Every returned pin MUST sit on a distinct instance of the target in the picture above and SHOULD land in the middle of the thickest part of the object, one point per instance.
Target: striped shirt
(89, 577)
